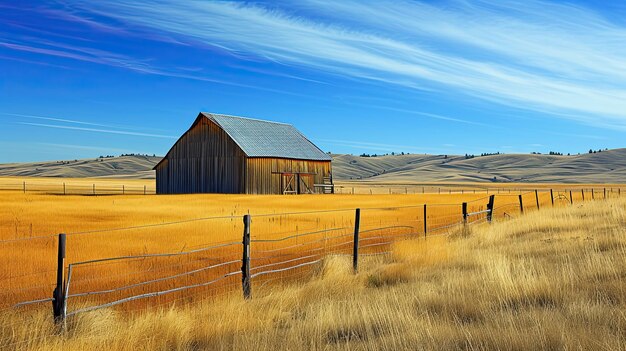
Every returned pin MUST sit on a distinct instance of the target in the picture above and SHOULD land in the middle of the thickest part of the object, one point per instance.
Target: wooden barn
(236, 155)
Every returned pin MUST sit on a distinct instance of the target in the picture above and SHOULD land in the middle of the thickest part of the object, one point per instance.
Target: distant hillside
(603, 167)
(137, 167)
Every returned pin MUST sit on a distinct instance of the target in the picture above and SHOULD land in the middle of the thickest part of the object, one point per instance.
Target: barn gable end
(228, 154)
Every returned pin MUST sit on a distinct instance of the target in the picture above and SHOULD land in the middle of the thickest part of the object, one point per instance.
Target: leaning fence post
(571, 198)
(492, 199)
(552, 197)
(521, 203)
(425, 223)
(582, 191)
(58, 304)
(464, 207)
(355, 245)
(537, 198)
(245, 266)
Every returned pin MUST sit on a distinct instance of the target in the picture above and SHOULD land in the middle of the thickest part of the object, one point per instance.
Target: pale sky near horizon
(80, 79)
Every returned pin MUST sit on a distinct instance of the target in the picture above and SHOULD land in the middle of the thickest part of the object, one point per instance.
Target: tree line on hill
(469, 156)
(122, 155)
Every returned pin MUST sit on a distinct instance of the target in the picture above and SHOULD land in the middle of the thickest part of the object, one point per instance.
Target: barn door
(305, 184)
(289, 183)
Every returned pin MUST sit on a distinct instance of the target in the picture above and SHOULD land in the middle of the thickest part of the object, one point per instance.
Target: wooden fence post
(425, 223)
(24, 187)
(144, 190)
(464, 209)
(571, 198)
(582, 191)
(537, 198)
(593, 195)
(94, 189)
(521, 203)
(552, 197)
(605, 193)
(355, 244)
(245, 266)
(123, 190)
(490, 207)
(58, 304)
(63, 188)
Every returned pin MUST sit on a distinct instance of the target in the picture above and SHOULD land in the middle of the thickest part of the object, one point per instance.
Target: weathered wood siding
(262, 176)
(204, 160)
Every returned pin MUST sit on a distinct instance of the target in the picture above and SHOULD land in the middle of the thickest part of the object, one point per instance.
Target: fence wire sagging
(78, 187)
(190, 260)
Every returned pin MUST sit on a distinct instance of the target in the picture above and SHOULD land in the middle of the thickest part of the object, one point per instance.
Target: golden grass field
(551, 279)
(37, 216)
(111, 226)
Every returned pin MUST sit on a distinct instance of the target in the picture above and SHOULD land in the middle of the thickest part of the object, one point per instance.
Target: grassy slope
(129, 167)
(549, 280)
(605, 167)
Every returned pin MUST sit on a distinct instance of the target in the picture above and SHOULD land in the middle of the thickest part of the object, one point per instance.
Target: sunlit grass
(552, 279)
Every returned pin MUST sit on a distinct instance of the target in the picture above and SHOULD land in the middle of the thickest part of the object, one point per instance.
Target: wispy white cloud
(85, 148)
(367, 145)
(97, 130)
(79, 122)
(559, 59)
(108, 58)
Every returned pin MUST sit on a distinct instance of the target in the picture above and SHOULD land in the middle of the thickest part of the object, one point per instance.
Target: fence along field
(123, 267)
(104, 186)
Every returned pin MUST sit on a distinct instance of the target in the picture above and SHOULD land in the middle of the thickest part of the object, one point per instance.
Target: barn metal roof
(258, 138)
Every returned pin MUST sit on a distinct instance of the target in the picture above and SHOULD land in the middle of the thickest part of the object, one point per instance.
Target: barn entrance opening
(296, 182)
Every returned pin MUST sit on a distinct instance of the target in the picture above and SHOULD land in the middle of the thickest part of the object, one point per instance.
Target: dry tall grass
(27, 267)
(553, 279)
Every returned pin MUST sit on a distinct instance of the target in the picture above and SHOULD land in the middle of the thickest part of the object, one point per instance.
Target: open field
(284, 230)
(551, 279)
(110, 226)
(122, 186)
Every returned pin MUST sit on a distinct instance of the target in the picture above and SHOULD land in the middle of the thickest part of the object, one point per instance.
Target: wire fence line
(119, 187)
(560, 194)
(77, 187)
(209, 268)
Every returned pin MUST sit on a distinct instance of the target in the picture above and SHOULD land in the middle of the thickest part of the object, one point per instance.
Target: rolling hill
(127, 167)
(603, 167)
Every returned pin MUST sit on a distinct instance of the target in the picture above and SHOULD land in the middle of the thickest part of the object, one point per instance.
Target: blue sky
(80, 79)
